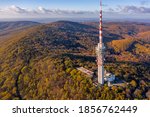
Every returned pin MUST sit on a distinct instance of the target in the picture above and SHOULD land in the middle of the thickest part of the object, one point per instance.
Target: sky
(112, 9)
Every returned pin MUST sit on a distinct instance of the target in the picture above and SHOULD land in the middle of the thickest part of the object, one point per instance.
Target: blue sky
(135, 9)
(70, 4)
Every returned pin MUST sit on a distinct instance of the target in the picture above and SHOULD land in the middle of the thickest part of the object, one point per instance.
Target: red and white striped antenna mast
(100, 24)
(100, 50)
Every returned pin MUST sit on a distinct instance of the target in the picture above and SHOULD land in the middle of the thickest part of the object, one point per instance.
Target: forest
(40, 62)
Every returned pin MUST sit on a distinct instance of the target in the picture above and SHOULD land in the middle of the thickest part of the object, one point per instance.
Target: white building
(86, 71)
(108, 77)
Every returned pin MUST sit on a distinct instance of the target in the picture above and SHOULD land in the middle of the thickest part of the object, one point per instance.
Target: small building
(86, 71)
(109, 77)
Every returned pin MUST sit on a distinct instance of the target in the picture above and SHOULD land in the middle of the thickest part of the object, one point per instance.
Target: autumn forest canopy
(39, 61)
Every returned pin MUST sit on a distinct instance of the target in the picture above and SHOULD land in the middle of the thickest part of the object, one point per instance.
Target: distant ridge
(8, 28)
(4, 26)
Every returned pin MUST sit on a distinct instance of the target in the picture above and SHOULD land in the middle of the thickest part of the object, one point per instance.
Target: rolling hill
(9, 28)
(4, 26)
(40, 62)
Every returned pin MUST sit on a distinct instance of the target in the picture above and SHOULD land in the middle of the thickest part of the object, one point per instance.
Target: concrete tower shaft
(100, 50)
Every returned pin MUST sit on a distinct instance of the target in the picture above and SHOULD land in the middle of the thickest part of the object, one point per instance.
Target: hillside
(144, 36)
(123, 28)
(40, 62)
(4, 26)
(9, 28)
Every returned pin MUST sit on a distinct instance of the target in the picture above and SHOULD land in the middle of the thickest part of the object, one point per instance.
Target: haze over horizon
(81, 9)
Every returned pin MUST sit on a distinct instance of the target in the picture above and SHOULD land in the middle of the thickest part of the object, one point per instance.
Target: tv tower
(100, 51)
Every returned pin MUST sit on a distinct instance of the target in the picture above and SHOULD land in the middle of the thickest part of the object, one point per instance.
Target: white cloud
(134, 9)
(130, 10)
(15, 11)
(40, 12)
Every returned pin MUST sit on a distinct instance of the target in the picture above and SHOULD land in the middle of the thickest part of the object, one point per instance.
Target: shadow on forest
(81, 57)
(93, 59)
